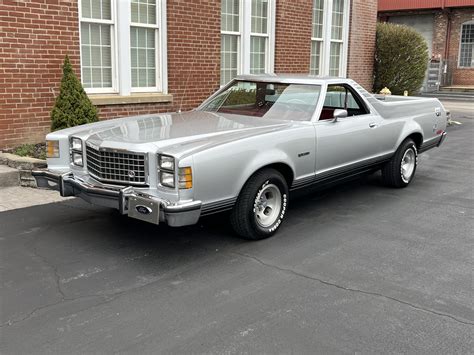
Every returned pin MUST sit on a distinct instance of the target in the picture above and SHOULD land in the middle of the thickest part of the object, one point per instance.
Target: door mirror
(338, 113)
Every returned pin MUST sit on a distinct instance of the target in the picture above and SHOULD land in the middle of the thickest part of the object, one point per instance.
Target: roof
(291, 78)
(402, 5)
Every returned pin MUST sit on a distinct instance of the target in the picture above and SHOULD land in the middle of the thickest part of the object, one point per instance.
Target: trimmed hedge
(72, 106)
(401, 59)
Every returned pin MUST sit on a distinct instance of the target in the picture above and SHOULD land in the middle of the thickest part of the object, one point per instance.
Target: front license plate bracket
(144, 209)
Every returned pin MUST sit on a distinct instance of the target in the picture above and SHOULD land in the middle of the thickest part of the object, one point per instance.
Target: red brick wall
(193, 58)
(363, 21)
(459, 76)
(194, 45)
(439, 34)
(34, 38)
(293, 36)
(455, 75)
(37, 34)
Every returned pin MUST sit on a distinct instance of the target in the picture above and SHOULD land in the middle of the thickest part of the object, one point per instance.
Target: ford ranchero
(246, 149)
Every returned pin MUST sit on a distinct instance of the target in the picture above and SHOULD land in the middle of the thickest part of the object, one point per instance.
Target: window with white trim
(97, 32)
(337, 25)
(247, 37)
(123, 46)
(230, 39)
(329, 37)
(466, 46)
(317, 37)
(259, 37)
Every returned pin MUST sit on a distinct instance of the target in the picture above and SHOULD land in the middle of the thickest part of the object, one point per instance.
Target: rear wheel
(261, 205)
(400, 170)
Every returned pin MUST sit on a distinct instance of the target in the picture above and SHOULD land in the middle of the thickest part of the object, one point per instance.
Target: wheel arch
(417, 137)
(282, 168)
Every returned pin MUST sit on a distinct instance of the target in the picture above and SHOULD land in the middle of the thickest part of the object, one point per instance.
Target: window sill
(135, 98)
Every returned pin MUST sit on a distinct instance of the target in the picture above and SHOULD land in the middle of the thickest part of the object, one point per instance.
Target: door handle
(372, 125)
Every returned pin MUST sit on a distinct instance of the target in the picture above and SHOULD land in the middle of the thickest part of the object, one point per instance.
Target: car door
(346, 143)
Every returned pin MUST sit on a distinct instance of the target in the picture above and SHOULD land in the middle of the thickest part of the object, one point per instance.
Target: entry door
(348, 142)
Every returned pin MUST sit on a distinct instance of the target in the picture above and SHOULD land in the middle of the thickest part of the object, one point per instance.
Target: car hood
(176, 130)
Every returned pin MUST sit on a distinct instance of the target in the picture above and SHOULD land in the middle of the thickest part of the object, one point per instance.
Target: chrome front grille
(116, 166)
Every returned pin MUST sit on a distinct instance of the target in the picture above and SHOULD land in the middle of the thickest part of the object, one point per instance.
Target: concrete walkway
(20, 197)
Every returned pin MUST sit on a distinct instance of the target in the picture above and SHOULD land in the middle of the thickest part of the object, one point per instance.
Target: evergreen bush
(72, 106)
(401, 59)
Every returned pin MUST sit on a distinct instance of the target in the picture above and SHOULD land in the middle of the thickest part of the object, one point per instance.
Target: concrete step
(9, 176)
(450, 95)
(458, 89)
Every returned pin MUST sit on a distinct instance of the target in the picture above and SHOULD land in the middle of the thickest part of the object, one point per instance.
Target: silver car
(246, 149)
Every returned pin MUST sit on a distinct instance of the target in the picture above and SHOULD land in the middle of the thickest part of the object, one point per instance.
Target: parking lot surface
(357, 268)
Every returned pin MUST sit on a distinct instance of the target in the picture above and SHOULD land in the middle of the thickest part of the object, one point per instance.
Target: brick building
(147, 56)
(447, 26)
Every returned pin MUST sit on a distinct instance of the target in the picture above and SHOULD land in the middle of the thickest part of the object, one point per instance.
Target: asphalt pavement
(359, 268)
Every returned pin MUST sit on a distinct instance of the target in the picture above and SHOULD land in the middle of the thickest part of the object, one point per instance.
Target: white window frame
(244, 35)
(239, 40)
(460, 44)
(120, 43)
(113, 54)
(326, 39)
(319, 40)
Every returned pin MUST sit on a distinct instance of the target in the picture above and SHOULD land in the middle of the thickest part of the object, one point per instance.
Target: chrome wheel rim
(408, 165)
(267, 205)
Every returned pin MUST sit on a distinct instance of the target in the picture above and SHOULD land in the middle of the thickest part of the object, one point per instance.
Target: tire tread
(391, 171)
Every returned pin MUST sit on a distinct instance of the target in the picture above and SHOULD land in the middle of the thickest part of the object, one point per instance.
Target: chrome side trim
(218, 206)
(340, 173)
(432, 143)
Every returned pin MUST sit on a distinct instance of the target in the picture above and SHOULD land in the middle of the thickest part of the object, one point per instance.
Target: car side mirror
(338, 113)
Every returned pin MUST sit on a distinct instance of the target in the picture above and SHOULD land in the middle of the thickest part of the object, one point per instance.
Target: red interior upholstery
(327, 114)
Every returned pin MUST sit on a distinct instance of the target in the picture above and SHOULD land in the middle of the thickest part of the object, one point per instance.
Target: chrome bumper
(441, 140)
(121, 198)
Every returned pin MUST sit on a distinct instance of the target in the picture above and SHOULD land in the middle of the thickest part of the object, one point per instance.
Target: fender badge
(143, 209)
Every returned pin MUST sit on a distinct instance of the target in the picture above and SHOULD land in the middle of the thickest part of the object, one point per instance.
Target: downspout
(448, 40)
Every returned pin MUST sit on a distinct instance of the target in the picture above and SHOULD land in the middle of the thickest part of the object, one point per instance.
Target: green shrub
(72, 106)
(401, 59)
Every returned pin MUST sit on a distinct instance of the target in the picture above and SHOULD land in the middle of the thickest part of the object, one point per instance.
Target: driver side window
(342, 97)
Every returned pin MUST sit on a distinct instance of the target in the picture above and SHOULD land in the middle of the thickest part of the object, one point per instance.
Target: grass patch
(37, 151)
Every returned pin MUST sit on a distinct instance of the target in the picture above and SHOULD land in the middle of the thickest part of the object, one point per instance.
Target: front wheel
(400, 170)
(261, 205)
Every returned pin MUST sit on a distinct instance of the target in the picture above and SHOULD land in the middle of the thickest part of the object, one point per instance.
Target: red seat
(327, 114)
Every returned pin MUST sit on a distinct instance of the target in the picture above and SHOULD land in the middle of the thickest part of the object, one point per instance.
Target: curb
(24, 165)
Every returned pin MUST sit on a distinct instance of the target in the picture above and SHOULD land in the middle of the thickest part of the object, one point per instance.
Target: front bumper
(125, 199)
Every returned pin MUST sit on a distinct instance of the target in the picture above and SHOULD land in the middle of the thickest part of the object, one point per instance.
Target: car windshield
(295, 102)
